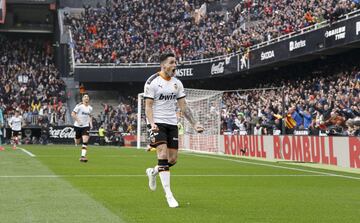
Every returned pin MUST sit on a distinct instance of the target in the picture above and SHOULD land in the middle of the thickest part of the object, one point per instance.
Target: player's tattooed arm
(189, 115)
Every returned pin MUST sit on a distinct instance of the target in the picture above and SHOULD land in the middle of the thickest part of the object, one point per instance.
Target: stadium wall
(334, 151)
(112, 73)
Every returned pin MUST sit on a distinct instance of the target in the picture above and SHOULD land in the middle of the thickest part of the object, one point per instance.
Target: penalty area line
(27, 152)
(274, 166)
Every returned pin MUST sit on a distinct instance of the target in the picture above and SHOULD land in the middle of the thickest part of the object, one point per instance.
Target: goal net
(206, 106)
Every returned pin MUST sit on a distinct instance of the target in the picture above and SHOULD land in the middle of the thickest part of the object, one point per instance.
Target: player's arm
(91, 122)
(74, 116)
(149, 102)
(149, 95)
(10, 123)
(188, 114)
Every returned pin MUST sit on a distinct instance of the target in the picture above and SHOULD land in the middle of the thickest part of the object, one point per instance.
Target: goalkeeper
(161, 92)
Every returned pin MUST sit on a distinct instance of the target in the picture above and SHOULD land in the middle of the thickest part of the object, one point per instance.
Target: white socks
(83, 152)
(156, 170)
(165, 181)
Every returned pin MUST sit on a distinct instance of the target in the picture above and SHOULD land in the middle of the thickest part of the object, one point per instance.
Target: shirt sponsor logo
(184, 72)
(294, 45)
(267, 55)
(339, 33)
(217, 68)
(167, 97)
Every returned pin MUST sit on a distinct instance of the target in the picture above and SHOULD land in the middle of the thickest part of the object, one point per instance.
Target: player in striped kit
(162, 92)
(82, 115)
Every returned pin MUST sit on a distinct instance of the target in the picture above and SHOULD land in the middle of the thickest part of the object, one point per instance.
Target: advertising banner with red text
(336, 151)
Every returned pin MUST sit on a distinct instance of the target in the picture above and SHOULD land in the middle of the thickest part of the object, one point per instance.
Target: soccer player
(82, 125)
(161, 92)
(15, 123)
(1, 127)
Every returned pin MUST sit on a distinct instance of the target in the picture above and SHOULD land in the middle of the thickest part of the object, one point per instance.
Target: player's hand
(154, 127)
(198, 128)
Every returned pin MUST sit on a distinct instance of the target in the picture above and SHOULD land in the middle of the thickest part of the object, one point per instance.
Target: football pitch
(49, 184)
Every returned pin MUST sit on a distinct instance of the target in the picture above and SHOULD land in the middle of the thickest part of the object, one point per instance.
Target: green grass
(112, 187)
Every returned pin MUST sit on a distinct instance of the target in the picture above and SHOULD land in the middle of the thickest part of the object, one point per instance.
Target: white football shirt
(83, 113)
(15, 123)
(165, 94)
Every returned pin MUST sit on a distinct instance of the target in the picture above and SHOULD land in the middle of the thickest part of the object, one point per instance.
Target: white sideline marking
(275, 166)
(27, 152)
(185, 175)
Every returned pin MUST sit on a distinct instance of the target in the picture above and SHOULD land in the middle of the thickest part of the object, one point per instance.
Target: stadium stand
(30, 82)
(326, 100)
(119, 117)
(135, 32)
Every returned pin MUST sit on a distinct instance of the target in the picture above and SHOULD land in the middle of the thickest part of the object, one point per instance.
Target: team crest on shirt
(175, 86)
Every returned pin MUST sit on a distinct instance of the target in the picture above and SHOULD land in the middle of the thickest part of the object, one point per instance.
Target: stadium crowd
(130, 31)
(318, 104)
(30, 83)
(121, 118)
(276, 18)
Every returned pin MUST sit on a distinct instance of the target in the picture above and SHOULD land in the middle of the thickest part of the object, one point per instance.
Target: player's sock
(164, 174)
(155, 170)
(15, 142)
(160, 163)
(171, 164)
(1, 147)
(83, 149)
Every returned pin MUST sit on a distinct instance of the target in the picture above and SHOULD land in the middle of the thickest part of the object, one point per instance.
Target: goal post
(206, 107)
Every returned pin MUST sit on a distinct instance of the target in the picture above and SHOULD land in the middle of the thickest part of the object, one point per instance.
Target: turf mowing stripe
(274, 166)
(184, 175)
(44, 199)
(27, 152)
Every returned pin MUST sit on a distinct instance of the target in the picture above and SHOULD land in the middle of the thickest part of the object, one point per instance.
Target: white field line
(143, 175)
(97, 155)
(27, 152)
(274, 166)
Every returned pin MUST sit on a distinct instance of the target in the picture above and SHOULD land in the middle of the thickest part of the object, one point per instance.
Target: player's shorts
(167, 134)
(15, 133)
(81, 131)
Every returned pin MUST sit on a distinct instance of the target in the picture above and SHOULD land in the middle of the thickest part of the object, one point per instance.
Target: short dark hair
(164, 56)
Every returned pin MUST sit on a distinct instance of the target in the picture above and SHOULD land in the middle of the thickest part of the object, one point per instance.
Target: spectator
(28, 83)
